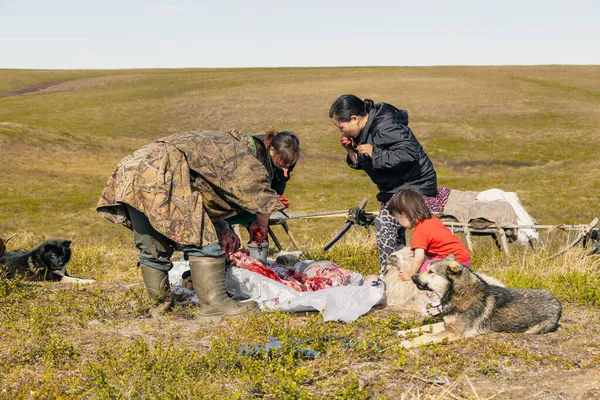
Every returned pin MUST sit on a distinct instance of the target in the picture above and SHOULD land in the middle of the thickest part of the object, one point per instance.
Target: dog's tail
(490, 280)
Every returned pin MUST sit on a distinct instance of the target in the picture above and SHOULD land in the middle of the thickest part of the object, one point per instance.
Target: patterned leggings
(389, 234)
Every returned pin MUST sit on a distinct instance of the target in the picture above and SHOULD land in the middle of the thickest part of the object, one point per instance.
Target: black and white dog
(48, 262)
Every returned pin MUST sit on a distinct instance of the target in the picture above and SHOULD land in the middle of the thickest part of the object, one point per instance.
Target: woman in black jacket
(378, 140)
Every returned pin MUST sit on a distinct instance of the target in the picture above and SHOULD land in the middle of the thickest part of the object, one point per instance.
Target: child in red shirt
(430, 237)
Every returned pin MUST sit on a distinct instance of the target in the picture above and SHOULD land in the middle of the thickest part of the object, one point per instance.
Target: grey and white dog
(472, 307)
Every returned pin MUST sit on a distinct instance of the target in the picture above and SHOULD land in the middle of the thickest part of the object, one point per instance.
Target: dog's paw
(71, 279)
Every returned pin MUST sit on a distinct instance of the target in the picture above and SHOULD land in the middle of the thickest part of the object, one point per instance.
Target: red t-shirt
(438, 241)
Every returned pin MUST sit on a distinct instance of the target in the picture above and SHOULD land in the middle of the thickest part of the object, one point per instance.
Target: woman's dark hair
(411, 204)
(286, 145)
(348, 105)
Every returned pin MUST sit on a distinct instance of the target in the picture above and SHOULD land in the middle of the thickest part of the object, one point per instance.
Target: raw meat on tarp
(335, 275)
(317, 276)
(241, 260)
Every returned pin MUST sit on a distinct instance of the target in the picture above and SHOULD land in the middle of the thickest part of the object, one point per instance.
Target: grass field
(532, 130)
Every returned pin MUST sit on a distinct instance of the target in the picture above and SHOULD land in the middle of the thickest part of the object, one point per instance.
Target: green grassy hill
(532, 130)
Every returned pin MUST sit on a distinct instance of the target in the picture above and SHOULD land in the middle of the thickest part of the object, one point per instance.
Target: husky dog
(48, 262)
(472, 307)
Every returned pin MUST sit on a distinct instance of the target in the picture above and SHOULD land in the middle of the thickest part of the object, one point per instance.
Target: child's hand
(405, 276)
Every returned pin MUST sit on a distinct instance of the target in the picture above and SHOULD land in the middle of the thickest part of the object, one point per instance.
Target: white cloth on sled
(342, 303)
(523, 217)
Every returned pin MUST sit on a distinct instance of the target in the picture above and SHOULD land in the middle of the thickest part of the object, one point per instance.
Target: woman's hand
(284, 201)
(346, 142)
(366, 149)
(258, 229)
(229, 241)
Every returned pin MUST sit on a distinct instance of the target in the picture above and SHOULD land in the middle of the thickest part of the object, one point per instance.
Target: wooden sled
(587, 233)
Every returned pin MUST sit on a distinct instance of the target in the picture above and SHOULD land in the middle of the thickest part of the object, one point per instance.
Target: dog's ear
(451, 257)
(3, 242)
(65, 243)
(454, 268)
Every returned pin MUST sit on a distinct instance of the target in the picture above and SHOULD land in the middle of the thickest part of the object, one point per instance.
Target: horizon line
(301, 67)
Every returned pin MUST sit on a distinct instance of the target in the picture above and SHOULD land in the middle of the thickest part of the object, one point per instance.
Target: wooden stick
(343, 213)
(286, 228)
(319, 214)
(275, 240)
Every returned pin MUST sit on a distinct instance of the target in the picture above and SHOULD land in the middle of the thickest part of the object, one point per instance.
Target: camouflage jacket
(185, 182)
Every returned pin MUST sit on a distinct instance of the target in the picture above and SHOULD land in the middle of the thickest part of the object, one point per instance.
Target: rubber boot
(158, 289)
(208, 279)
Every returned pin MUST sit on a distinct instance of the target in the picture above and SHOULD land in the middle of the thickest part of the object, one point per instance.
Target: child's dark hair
(411, 204)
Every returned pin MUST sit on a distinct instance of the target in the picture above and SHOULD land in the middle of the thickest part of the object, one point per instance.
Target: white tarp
(342, 303)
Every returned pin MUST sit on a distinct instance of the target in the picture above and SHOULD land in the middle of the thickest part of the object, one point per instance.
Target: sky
(109, 34)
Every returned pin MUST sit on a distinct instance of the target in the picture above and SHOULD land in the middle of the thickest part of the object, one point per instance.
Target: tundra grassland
(532, 130)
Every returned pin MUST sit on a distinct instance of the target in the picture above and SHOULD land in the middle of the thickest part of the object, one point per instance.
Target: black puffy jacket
(399, 161)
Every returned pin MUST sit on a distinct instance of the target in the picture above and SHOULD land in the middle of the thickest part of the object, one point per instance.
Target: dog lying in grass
(472, 307)
(48, 262)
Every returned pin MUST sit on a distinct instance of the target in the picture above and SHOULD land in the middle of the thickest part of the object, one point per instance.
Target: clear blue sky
(264, 33)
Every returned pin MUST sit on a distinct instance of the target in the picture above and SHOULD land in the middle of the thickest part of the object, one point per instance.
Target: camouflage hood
(185, 181)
